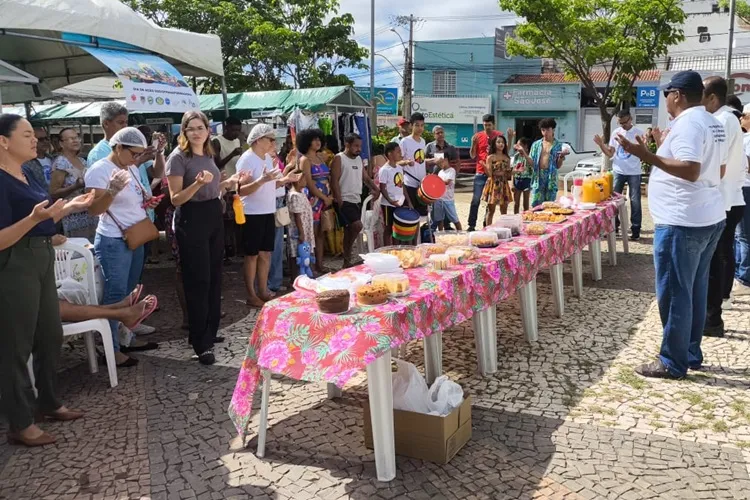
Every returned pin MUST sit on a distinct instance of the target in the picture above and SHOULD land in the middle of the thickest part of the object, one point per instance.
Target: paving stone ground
(564, 418)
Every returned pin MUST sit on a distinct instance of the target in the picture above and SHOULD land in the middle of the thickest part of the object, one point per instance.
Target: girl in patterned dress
(318, 179)
(497, 191)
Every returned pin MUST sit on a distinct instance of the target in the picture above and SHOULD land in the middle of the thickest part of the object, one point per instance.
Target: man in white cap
(259, 204)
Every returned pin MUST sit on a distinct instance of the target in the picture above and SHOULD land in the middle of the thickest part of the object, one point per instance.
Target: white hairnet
(260, 131)
(129, 136)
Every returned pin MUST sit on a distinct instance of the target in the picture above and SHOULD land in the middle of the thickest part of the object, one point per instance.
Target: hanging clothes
(325, 124)
(359, 123)
(301, 120)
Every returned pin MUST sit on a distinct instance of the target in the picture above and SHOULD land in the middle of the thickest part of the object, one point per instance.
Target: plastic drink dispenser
(589, 191)
(609, 177)
(577, 190)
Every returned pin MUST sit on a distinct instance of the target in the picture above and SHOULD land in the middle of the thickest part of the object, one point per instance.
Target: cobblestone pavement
(563, 418)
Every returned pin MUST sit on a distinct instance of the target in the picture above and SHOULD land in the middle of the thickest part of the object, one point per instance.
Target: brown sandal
(43, 440)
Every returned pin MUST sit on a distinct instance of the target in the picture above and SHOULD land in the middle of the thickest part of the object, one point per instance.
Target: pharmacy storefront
(521, 106)
(457, 115)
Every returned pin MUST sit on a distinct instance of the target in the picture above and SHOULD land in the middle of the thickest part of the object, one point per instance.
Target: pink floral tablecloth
(292, 338)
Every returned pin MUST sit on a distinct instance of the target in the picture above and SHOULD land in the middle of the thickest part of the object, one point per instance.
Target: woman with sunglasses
(119, 203)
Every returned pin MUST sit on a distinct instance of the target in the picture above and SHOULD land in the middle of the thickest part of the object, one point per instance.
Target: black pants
(721, 273)
(199, 227)
(31, 324)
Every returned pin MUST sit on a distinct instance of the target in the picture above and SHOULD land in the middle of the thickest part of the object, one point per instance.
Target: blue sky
(434, 27)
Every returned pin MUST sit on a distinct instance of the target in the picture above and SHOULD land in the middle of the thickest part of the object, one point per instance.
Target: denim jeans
(742, 244)
(276, 274)
(634, 192)
(122, 271)
(682, 256)
(476, 199)
(721, 271)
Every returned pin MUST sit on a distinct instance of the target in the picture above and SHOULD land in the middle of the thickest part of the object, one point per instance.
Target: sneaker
(144, 329)
(715, 331)
(656, 369)
(635, 237)
(126, 336)
(740, 289)
(207, 358)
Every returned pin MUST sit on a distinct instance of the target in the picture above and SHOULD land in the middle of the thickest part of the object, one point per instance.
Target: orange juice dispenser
(590, 193)
(600, 186)
(609, 177)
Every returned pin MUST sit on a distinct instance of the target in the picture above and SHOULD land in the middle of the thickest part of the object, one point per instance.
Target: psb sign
(386, 99)
(647, 97)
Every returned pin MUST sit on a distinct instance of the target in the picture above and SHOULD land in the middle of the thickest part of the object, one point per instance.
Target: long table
(292, 338)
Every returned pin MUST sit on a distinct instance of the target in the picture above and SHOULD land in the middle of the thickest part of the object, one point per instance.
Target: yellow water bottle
(239, 210)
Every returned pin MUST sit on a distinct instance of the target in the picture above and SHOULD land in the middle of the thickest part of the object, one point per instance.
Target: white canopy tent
(14, 79)
(31, 31)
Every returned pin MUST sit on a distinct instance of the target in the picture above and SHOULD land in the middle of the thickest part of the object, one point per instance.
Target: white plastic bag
(445, 395)
(410, 389)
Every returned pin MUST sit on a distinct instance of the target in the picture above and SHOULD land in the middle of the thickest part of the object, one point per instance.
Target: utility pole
(373, 111)
(728, 73)
(409, 75)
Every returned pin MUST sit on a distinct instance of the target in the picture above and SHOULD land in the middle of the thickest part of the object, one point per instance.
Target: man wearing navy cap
(688, 211)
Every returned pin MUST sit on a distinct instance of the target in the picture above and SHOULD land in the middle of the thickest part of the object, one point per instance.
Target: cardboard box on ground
(428, 437)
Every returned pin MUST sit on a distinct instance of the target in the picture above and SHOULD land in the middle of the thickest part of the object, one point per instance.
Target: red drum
(431, 189)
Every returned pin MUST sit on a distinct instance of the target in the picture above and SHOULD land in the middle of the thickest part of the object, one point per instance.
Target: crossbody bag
(142, 231)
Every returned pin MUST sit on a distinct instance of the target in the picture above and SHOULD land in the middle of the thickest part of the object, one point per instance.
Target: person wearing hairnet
(119, 203)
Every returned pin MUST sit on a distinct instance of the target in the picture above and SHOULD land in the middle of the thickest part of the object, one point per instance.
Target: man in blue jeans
(626, 167)
(688, 211)
(480, 145)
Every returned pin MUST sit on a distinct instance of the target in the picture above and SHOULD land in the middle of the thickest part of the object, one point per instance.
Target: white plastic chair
(369, 222)
(63, 269)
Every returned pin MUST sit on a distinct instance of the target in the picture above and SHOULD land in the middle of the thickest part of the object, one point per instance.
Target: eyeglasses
(667, 92)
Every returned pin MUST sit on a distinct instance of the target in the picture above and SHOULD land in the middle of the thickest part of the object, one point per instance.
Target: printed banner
(386, 99)
(149, 82)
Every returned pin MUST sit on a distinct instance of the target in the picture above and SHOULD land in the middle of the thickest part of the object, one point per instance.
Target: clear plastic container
(455, 256)
(483, 239)
(380, 263)
(452, 238)
(408, 256)
(440, 262)
(512, 222)
(397, 284)
(536, 228)
(469, 253)
(503, 233)
(432, 249)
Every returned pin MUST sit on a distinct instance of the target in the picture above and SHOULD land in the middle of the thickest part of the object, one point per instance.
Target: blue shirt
(98, 152)
(17, 201)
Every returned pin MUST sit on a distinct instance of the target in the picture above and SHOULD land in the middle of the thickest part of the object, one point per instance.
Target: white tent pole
(224, 95)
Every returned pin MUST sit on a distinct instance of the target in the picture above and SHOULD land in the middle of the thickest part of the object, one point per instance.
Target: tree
(741, 10)
(621, 37)
(267, 45)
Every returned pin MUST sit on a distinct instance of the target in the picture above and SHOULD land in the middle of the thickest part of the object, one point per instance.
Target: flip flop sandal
(135, 295)
(152, 303)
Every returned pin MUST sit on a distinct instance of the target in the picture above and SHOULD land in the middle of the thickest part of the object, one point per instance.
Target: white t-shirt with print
(262, 201)
(127, 207)
(414, 151)
(746, 146)
(624, 163)
(449, 174)
(731, 183)
(393, 178)
(695, 135)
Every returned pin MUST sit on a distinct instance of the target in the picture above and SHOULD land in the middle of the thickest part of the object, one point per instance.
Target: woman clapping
(28, 296)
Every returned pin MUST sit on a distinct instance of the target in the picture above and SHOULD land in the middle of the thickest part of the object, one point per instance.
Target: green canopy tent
(87, 113)
(249, 105)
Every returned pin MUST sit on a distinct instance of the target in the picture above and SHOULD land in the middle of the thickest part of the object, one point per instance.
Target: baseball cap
(403, 121)
(260, 131)
(684, 80)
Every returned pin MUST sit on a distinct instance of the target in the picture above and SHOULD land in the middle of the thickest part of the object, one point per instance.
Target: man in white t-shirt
(413, 149)
(742, 237)
(626, 167)
(688, 212)
(721, 273)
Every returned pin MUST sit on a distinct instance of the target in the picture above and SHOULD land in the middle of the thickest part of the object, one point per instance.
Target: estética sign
(149, 82)
(451, 110)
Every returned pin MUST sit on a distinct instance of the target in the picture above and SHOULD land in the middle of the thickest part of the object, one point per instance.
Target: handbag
(282, 217)
(141, 232)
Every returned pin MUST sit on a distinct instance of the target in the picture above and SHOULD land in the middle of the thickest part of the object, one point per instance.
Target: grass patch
(656, 425)
(708, 406)
(628, 377)
(691, 397)
(656, 395)
(687, 427)
(709, 416)
(720, 426)
(743, 444)
(589, 393)
(602, 410)
(643, 409)
(607, 423)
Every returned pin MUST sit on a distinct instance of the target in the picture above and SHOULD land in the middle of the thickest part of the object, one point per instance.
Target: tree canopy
(621, 37)
(268, 45)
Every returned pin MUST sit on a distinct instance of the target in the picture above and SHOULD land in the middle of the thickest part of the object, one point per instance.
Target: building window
(444, 83)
